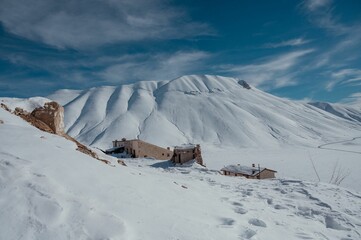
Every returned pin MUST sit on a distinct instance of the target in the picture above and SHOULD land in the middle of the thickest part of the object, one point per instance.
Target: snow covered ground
(50, 191)
(294, 162)
(233, 125)
(210, 110)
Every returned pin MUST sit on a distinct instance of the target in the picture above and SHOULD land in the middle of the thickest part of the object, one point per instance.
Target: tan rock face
(52, 114)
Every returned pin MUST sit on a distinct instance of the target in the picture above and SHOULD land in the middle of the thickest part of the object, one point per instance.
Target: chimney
(253, 165)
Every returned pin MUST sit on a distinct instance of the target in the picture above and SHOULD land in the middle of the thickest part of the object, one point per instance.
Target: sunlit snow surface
(210, 110)
(50, 191)
(234, 125)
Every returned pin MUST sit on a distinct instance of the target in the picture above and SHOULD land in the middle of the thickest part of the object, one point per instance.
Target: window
(168, 155)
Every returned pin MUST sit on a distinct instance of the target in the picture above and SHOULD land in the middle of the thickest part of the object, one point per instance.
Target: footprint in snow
(237, 204)
(248, 234)
(240, 210)
(279, 207)
(257, 222)
(227, 222)
(330, 222)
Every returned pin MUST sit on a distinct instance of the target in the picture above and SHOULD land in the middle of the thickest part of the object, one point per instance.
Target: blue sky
(304, 50)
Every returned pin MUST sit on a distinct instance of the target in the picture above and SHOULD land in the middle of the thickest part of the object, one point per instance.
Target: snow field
(50, 191)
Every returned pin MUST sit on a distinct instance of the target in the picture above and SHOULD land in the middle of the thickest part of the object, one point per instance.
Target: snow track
(323, 146)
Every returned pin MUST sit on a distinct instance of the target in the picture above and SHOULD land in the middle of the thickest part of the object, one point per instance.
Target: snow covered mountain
(349, 112)
(48, 190)
(204, 109)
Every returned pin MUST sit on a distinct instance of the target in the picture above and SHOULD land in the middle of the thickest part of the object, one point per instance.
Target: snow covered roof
(185, 146)
(250, 171)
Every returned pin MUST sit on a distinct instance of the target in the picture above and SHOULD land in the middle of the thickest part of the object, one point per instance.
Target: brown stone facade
(264, 174)
(139, 149)
(183, 154)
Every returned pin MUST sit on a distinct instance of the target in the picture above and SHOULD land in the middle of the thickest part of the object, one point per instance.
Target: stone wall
(183, 155)
(267, 174)
(140, 149)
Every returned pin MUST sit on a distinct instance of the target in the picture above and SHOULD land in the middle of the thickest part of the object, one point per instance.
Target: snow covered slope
(48, 190)
(351, 112)
(203, 109)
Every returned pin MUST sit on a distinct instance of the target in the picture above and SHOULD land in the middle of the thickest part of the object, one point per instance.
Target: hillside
(351, 112)
(48, 190)
(204, 109)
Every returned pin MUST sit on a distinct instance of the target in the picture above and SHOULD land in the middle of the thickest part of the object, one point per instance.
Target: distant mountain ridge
(199, 109)
(351, 113)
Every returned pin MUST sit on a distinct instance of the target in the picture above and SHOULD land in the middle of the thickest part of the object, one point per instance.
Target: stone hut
(185, 153)
(248, 172)
(139, 149)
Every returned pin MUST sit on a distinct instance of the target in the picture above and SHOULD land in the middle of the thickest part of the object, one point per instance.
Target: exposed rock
(121, 162)
(52, 114)
(84, 149)
(50, 118)
(2, 105)
(244, 84)
(1, 121)
(32, 120)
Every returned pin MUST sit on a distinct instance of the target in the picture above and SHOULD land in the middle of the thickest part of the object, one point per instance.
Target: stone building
(248, 172)
(186, 153)
(139, 149)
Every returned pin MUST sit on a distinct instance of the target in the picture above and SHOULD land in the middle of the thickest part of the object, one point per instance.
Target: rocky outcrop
(244, 84)
(52, 114)
(32, 120)
(50, 118)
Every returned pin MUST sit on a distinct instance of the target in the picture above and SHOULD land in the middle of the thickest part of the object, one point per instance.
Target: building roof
(245, 170)
(185, 146)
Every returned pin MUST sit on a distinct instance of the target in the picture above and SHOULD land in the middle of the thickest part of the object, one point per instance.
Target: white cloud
(354, 98)
(313, 5)
(274, 73)
(157, 67)
(348, 76)
(90, 23)
(320, 13)
(345, 39)
(291, 43)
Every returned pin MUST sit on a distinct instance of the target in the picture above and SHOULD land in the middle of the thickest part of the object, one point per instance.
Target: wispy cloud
(344, 43)
(288, 43)
(157, 67)
(314, 5)
(84, 24)
(276, 72)
(354, 98)
(320, 13)
(347, 76)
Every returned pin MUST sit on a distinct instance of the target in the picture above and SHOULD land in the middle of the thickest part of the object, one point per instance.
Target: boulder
(52, 114)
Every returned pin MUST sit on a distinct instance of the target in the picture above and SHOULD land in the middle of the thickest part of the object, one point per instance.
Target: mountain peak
(201, 83)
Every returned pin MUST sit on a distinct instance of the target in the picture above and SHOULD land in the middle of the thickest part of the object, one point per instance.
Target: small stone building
(139, 149)
(248, 172)
(185, 153)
